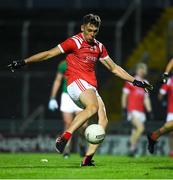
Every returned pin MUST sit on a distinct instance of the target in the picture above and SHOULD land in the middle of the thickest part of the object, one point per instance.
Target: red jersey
(168, 88)
(81, 58)
(135, 99)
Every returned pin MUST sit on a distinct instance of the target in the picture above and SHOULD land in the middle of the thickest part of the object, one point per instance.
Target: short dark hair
(92, 19)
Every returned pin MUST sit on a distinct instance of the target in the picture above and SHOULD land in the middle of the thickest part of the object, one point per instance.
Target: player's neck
(83, 36)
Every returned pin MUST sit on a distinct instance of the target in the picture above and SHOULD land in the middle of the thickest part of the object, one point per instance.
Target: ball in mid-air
(95, 134)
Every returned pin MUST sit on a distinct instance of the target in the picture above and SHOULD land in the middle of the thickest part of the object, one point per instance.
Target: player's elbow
(50, 54)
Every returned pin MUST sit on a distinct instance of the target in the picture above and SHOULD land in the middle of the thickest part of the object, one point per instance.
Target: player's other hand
(16, 65)
(53, 105)
(143, 84)
(164, 77)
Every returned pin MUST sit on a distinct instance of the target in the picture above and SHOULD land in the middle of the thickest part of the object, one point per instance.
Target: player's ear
(82, 28)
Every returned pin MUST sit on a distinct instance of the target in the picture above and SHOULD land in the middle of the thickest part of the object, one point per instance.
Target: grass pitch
(24, 165)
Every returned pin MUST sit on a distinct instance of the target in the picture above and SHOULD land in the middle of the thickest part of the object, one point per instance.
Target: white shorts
(67, 105)
(136, 114)
(76, 88)
(169, 117)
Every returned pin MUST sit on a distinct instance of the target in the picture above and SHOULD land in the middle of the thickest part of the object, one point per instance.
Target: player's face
(89, 31)
(142, 72)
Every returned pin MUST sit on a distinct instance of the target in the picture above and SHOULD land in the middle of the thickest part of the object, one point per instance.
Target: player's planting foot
(151, 144)
(89, 163)
(61, 141)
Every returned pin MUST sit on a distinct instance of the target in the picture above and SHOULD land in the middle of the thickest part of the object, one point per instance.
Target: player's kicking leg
(152, 137)
(87, 161)
(89, 99)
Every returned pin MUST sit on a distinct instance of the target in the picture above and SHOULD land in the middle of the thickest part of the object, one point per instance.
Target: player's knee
(140, 129)
(93, 108)
(104, 122)
(67, 124)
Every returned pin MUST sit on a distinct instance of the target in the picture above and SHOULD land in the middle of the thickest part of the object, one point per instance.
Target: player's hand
(143, 84)
(16, 65)
(164, 78)
(53, 105)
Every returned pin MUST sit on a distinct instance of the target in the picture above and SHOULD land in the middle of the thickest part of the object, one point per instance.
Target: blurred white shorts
(67, 105)
(136, 114)
(169, 117)
(76, 88)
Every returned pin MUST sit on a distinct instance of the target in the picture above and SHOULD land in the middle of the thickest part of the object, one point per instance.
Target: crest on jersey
(93, 48)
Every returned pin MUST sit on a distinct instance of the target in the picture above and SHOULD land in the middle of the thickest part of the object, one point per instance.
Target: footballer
(83, 51)
(166, 88)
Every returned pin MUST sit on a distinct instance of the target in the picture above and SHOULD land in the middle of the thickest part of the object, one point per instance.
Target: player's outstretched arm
(168, 69)
(120, 72)
(35, 58)
(169, 66)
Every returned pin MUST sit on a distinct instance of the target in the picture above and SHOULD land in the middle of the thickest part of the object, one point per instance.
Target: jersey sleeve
(127, 88)
(61, 67)
(67, 46)
(104, 53)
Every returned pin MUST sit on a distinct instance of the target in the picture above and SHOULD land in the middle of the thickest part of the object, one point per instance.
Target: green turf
(30, 166)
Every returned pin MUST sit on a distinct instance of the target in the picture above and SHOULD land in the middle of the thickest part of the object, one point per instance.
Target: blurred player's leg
(87, 161)
(138, 129)
(67, 117)
(89, 99)
(167, 127)
(171, 143)
(152, 138)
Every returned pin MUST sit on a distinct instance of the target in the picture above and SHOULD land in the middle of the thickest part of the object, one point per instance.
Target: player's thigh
(67, 117)
(137, 124)
(169, 125)
(103, 120)
(89, 98)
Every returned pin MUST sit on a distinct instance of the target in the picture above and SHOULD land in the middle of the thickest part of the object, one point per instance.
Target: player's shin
(103, 121)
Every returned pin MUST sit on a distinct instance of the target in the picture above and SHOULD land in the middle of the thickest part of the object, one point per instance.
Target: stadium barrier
(113, 144)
